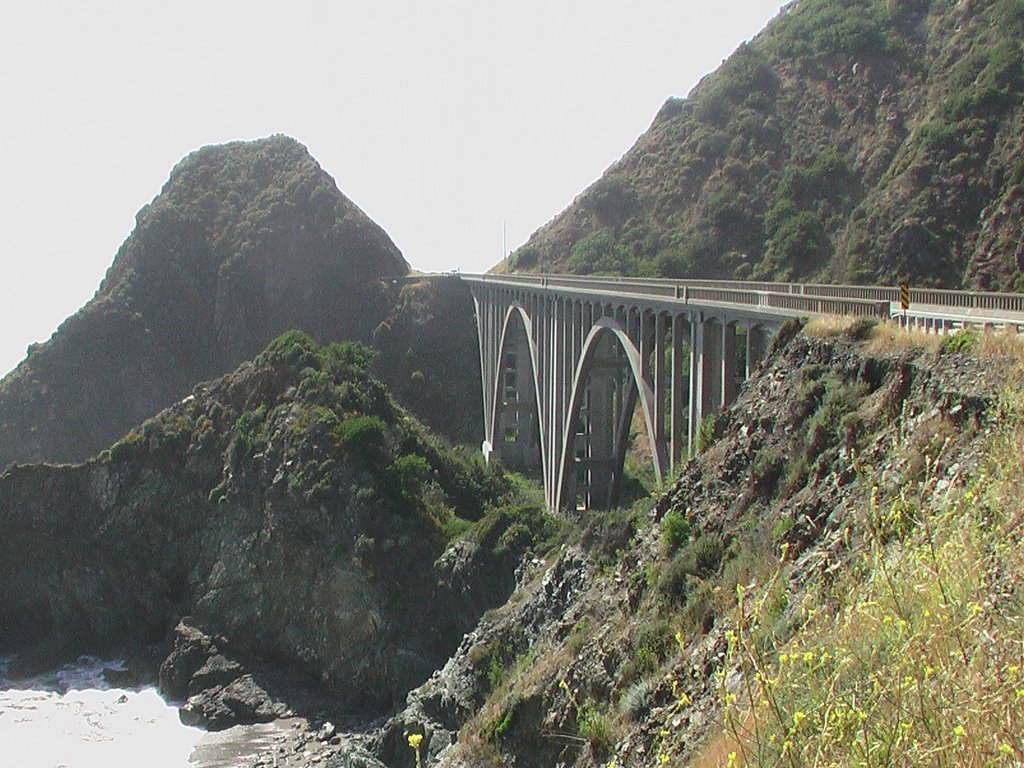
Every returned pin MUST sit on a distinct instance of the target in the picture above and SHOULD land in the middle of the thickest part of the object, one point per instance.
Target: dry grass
(828, 326)
(889, 336)
(716, 752)
(530, 676)
(883, 335)
(1008, 344)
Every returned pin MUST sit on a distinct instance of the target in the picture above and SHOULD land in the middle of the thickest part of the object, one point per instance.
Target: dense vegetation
(860, 141)
(320, 413)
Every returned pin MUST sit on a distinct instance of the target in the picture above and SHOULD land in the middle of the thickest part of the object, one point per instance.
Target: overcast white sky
(444, 121)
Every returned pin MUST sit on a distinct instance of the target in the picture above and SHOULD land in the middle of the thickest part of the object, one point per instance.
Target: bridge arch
(515, 405)
(606, 383)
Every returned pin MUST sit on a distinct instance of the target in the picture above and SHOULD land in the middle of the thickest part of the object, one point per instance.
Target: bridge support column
(662, 384)
(515, 442)
(592, 481)
(728, 365)
(679, 394)
(757, 348)
(705, 373)
(711, 369)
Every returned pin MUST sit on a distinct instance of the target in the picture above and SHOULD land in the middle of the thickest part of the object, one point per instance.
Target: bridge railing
(705, 292)
(856, 294)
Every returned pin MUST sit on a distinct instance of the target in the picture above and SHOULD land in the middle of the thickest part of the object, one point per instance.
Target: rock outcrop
(428, 355)
(291, 509)
(245, 241)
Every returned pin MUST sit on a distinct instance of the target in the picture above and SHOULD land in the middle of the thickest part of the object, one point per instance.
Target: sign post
(904, 301)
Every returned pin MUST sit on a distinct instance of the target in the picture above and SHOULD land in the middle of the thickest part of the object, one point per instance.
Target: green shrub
(652, 645)
(769, 466)
(607, 534)
(405, 477)
(698, 612)
(122, 449)
(598, 252)
(676, 577)
(708, 551)
(247, 429)
(782, 526)
(798, 247)
(675, 531)
(525, 258)
(596, 727)
(744, 73)
(862, 328)
(638, 699)
(706, 433)
(292, 348)
(363, 435)
(700, 559)
(491, 660)
(347, 358)
(517, 529)
(612, 198)
(959, 343)
(504, 723)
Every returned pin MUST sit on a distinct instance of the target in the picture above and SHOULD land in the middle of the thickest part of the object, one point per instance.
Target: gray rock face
(220, 692)
(239, 702)
(439, 708)
(243, 508)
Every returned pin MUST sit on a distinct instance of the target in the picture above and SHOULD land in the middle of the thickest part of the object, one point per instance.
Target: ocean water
(71, 718)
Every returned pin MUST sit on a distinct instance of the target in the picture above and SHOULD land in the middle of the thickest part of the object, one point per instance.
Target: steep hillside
(291, 513)
(836, 580)
(245, 241)
(862, 141)
(428, 354)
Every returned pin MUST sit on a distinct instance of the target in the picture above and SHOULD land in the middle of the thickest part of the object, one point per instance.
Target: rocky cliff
(428, 355)
(866, 141)
(245, 241)
(290, 511)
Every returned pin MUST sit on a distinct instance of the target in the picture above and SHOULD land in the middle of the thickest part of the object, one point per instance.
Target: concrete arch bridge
(565, 361)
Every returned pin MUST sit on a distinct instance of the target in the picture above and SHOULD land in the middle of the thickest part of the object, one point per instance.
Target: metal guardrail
(1009, 302)
(701, 292)
(975, 307)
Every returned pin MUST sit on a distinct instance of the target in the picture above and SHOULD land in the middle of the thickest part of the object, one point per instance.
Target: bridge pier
(679, 394)
(728, 364)
(756, 348)
(597, 432)
(517, 443)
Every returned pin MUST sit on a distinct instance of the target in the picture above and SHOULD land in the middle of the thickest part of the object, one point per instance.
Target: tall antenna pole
(504, 240)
